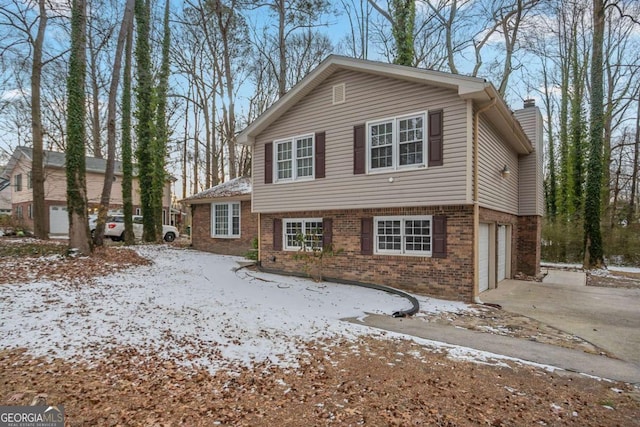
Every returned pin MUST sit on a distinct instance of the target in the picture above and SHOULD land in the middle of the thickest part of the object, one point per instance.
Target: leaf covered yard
(168, 336)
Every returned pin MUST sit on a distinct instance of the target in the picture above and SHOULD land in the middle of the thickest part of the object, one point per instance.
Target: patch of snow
(562, 265)
(624, 269)
(194, 308)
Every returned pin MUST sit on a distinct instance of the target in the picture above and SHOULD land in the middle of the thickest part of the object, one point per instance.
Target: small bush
(253, 253)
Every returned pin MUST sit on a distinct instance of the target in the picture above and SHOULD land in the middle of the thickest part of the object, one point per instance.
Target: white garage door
(58, 220)
(483, 258)
(502, 252)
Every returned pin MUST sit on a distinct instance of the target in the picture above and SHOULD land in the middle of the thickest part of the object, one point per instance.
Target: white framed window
(403, 235)
(30, 211)
(19, 212)
(17, 181)
(29, 180)
(294, 158)
(225, 220)
(307, 229)
(396, 143)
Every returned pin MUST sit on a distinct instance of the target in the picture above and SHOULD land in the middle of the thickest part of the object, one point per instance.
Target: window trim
(285, 221)
(229, 220)
(403, 251)
(294, 158)
(18, 182)
(29, 180)
(395, 144)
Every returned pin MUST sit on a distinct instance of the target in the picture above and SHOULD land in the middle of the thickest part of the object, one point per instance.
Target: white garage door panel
(502, 252)
(58, 220)
(483, 258)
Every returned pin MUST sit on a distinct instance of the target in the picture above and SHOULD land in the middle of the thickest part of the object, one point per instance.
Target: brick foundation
(201, 231)
(450, 277)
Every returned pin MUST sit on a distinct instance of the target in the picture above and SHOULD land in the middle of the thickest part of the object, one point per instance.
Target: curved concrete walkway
(546, 354)
(606, 317)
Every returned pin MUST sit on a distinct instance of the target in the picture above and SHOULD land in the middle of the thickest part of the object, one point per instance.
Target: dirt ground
(369, 382)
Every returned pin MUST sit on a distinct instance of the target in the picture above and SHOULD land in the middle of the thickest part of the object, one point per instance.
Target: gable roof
(239, 188)
(474, 88)
(57, 160)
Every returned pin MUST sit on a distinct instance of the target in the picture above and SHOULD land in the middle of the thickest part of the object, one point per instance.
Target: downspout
(476, 201)
(259, 261)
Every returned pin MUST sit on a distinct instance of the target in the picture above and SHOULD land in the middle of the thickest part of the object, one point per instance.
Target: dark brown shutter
(320, 143)
(359, 150)
(327, 233)
(268, 163)
(366, 236)
(439, 249)
(277, 234)
(435, 138)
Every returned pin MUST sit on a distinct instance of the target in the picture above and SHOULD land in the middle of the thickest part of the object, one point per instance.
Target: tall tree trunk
(404, 16)
(577, 127)
(105, 198)
(145, 116)
(96, 143)
(127, 163)
(636, 164)
(594, 252)
(282, 48)
(185, 149)
(76, 133)
(551, 158)
(40, 227)
(565, 176)
(162, 131)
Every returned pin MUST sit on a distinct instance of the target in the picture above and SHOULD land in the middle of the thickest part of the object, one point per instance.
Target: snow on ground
(603, 271)
(194, 308)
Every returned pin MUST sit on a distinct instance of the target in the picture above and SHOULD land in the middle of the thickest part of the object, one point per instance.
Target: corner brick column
(529, 244)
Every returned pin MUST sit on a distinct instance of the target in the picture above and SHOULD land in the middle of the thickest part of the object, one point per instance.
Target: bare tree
(127, 22)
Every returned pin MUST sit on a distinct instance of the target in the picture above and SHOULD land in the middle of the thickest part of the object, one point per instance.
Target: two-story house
(18, 170)
(5, 196)
(425, 180)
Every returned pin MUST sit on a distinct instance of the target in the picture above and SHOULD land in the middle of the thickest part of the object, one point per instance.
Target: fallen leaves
(59, 267)
(331, 386)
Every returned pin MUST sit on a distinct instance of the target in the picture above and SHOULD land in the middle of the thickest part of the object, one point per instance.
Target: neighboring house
(222, 221)
(424, 180)
(55, 188)
(5, 196)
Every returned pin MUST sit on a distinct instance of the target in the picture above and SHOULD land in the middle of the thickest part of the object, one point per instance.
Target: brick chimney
(530, 189)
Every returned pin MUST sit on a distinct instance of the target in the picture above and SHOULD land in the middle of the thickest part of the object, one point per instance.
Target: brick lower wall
(450, 277)
(529, 249)
(201, 231)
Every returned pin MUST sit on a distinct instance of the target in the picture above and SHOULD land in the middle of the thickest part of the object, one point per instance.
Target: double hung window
(225, 219)
(294, 158)
(302, 231)
(17, 180)
(403, 235)
(397, 143)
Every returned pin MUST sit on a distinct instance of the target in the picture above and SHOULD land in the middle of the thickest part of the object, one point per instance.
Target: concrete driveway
(606, 317)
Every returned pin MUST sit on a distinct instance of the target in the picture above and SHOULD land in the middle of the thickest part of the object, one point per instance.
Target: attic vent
(339, 94)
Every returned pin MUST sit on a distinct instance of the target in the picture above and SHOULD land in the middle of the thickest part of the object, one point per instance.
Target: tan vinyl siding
(531, 191)
(496, 192)
(22, 167)
(368, 98)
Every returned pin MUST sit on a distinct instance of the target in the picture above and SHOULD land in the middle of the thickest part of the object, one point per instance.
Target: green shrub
(253, 253)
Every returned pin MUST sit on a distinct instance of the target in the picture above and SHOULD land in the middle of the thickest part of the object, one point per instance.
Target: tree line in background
(200, 70)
